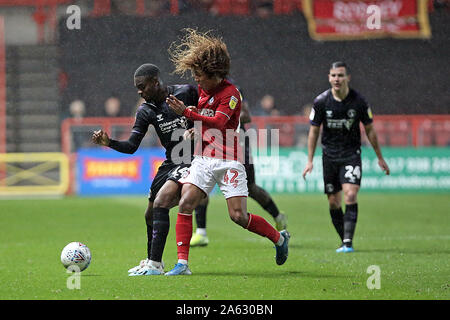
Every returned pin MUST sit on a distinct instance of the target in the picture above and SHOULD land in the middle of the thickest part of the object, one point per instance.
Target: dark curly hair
(200, 52)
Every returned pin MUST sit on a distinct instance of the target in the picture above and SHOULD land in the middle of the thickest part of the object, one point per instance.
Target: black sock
(161, 225)
(272, 209)
(350, 218)
(337, 217)
(200, 216)
(149, 223)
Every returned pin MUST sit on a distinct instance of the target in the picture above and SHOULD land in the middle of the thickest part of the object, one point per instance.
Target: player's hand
(308, 168)
(383, 165)
(176, 105)
(100, 137)
(192, 108)
(189, 134)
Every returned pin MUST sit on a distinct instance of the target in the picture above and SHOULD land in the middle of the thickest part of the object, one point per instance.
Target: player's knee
(239, 217)
(350, 196)
(186, 205)
(163, 200)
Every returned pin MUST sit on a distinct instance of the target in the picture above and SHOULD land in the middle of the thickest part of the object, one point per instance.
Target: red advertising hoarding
(366, 19)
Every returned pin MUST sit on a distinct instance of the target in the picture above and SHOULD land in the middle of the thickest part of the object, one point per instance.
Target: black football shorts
(167, 171)
(338, 172)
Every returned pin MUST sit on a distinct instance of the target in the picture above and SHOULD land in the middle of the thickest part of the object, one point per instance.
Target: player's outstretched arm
(127, 146)
(313, 135)
(218, 121)
(372, 137)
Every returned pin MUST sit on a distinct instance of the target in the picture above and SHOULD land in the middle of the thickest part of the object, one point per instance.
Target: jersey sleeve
(366, 112)
(316, 115)
(142, 121)
(218, 121)
(229, 103)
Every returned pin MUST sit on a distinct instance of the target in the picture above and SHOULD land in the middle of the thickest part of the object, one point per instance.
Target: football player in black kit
(164, 191)
(339, 110)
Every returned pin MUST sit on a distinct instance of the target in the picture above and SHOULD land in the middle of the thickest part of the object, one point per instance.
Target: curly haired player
(217, 155)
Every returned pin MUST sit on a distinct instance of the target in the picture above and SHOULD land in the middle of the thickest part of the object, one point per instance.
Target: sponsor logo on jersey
(340, 123)
(169, 126)
(207, 112)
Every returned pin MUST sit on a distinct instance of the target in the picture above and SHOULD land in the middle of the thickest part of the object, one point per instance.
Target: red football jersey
(219, 113)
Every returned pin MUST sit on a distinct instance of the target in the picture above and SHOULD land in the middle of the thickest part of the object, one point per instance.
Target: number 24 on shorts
(352, 172)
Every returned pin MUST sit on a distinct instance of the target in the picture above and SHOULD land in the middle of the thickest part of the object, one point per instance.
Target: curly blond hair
(200, 52)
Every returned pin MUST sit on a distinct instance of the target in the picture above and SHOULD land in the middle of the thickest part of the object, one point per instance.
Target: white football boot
(149, 269)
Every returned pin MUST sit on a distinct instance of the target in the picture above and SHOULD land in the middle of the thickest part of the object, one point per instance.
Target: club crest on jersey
(351, 113)
(233, 102)
(211, 101)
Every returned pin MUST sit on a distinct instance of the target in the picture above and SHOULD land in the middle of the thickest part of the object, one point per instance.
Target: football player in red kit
(218, 158)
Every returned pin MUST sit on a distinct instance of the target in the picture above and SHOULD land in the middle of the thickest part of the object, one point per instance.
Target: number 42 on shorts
(233, 180)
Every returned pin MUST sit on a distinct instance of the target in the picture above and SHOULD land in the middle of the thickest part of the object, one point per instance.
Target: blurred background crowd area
(54, 73)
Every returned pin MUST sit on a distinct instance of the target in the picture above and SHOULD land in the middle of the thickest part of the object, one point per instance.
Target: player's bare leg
(266, 202)
(237, 209)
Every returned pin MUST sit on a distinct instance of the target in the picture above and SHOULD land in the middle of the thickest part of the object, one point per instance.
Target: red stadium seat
(232, 7)
(426, 134)
(442, 133)
(287, 135)
(286, 6)
(399, 133)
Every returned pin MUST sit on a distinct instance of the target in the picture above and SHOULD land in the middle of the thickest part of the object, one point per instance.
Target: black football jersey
(341, 134)
(164, 119)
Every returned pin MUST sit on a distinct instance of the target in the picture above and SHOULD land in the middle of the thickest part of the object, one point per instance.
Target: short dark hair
(340, 64)
(147, 70)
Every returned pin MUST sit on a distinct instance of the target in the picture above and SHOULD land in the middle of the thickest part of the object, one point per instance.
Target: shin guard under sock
(183, 230)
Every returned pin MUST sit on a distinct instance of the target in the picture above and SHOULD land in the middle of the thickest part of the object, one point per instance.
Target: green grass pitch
(407, 236)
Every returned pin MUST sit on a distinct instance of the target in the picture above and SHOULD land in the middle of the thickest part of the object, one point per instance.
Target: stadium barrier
(45, 173)
(415, 146)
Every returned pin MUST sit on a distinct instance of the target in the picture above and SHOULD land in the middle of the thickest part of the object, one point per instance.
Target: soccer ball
(76, 254)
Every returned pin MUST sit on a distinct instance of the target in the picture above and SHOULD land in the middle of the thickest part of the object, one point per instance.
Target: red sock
(183, 229)
(260, 226)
